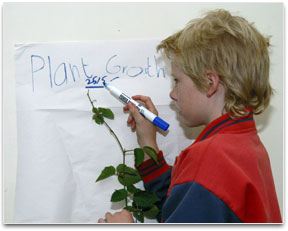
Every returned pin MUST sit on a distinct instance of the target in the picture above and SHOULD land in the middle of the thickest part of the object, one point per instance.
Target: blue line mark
(94, 86)
(114, 78)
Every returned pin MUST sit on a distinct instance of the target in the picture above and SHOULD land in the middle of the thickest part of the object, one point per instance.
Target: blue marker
(143, 111)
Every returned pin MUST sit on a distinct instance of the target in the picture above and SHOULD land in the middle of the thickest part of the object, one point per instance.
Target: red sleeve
(149, 170)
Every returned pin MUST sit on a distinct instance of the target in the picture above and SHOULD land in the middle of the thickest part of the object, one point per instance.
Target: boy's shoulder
(229, 152)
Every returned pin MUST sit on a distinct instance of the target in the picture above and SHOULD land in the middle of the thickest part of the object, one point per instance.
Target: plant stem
(126, 202)
(115, 136)
(118, 141)
(123, 152)
(90, 99)
(109, 128)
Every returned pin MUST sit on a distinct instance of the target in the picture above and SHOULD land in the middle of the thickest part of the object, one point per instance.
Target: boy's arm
(156, 178)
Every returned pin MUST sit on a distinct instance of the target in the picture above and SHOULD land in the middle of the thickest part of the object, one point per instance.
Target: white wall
(46, 22)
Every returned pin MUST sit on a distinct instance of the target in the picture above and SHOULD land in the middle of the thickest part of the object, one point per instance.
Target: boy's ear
(213, 81)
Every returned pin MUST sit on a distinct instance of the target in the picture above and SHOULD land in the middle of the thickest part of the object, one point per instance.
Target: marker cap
(160, 123)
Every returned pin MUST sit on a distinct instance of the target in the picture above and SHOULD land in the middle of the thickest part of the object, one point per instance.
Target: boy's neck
(215, 105)
(214, 115)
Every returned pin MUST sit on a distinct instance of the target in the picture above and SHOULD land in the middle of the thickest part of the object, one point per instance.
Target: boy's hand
(120, 217)
(146, 131)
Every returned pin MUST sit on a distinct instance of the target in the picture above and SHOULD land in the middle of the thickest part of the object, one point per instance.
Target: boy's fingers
(134, 112)
(147, 102)
(125, 108)
(131, 122)
(133, 126)
(108, 215)
(130, 119)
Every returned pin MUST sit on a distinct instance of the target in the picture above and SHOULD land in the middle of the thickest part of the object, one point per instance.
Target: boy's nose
(172, 95)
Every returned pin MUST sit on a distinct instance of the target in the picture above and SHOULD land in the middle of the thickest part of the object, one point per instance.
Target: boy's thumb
(134, 112)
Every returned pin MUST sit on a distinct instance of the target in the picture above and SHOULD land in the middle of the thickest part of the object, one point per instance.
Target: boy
(220, 64)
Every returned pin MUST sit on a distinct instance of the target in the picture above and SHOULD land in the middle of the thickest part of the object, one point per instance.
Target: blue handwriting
(62, 73)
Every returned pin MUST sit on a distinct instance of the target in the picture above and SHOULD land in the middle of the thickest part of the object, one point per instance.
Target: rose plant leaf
(106, 172)
(139, 156)
(151, 152)
(119, 195)
(106, 112)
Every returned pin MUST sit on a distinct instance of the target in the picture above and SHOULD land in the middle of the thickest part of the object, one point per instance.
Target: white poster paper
(61, 149)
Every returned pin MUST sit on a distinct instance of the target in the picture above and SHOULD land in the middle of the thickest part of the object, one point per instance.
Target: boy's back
(233, 165)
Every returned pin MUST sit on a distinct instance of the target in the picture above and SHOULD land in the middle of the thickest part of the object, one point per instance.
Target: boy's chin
(192, 123)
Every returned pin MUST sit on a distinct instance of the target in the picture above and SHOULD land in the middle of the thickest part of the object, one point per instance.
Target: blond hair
(231, 47)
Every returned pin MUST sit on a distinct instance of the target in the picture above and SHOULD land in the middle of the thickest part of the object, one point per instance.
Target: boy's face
(189, 100)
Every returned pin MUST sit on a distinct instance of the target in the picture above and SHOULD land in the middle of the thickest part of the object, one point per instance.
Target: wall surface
(54, 22)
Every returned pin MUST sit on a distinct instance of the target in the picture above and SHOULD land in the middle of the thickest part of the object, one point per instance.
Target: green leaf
(94, 109)
(130, 208)
(132, 189)
(152, 212)
(136, 207)
(122, 168)
(127, 176)
(139, 156)
(119, 195)
(152, 153)
(145, 198)
(139, 216)
(98, 118)
(106, 112)
(127, 179)
(106, 172)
